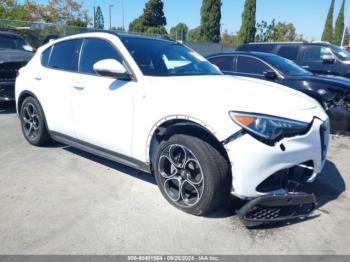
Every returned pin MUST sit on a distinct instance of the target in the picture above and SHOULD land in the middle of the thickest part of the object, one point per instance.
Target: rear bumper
(7, 91)
(254, 162)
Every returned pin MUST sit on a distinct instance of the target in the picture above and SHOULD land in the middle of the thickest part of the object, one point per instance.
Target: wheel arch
(171, 125)
(23, 95)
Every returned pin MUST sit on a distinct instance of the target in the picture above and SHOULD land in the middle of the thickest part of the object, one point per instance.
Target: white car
(202, 134)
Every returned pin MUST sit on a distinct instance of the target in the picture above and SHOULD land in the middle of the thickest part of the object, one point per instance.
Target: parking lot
(58, 200)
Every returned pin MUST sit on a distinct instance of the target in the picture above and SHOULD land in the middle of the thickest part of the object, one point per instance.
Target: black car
(15, 53)
(317, 57)
(332, 92)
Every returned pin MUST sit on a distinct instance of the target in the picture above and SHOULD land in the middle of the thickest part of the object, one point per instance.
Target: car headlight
(269, 129)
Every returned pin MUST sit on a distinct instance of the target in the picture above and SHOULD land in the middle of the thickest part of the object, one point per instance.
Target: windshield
(9, 42)
(167, 58)
(286, 66)
(342, 54)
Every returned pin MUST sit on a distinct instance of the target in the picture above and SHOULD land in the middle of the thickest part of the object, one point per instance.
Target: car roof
(123, 35)
(9, 33)
(252, 53)
(316, 43)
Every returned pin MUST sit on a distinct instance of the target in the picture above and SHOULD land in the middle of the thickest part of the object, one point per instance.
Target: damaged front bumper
(259, 169)
(277, 208)
(271, 177)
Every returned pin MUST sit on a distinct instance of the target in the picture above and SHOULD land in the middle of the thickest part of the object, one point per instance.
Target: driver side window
(250, 65)
(315, 53)
(95, 50)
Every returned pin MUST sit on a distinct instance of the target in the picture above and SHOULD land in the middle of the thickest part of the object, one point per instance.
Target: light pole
(123, 14)
(94, 16)
(345, 27)
(110, 17)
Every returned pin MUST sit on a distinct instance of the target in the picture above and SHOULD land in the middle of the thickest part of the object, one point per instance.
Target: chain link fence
(36, 32)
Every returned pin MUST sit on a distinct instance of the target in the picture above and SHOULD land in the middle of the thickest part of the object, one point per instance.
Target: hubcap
(181, 175)
(30, 119)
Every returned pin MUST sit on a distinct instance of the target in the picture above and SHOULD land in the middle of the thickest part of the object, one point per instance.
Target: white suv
(158, 106)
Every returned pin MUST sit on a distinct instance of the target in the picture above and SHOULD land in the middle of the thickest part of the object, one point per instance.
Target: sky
(307, 15)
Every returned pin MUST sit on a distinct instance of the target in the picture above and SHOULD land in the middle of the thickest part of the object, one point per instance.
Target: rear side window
(64, 55)
(250, 65)
(45, 56)
(95, 50)
(289, 52)
(225, 63)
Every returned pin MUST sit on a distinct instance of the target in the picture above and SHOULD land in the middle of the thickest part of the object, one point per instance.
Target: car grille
(8, 71)
(324, 129)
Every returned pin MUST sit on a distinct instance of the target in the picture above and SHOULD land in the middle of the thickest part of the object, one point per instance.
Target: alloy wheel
(31, 122)
(181, 175)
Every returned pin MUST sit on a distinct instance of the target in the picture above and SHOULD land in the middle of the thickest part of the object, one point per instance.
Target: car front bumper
(7, 91)
(255, 164)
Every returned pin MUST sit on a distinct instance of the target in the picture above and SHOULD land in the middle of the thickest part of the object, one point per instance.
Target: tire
(191, 174)
(33, 122)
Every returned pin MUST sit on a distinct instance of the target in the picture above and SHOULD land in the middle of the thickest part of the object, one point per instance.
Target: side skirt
(102, 152)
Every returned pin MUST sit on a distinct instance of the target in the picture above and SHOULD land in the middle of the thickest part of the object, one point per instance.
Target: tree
(153, 14)
(194, 34)
(156, 30)
(280, 31)
(339, 26)
(179, 32)
(118, 29)
(248, 29)
(229, 39)
(136, 25)
(210, 20)
(76, 23)
(99, 22)
(328, 28)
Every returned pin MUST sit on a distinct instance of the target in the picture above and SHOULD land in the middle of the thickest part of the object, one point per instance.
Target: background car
(333, 93)
(317, 57)
(15, 52)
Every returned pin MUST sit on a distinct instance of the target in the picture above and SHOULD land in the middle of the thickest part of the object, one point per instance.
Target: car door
(59, 66)
(102, 106)
(251, 67)
(312, 60)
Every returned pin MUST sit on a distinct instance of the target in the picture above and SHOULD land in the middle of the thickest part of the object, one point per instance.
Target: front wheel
(191, 174)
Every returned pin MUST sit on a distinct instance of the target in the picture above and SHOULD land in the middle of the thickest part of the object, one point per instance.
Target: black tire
(215, 174)
(33, 122)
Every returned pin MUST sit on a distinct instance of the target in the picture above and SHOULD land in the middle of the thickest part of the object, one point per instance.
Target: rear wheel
(191, 174)
(33, 122)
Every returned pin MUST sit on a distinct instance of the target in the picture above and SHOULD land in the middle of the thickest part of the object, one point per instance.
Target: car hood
(238, 94)
(333, 81)
(11, 55)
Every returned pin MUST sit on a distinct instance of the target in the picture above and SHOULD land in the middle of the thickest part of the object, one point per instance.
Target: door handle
(79, 86)
(38, 77)
(306, 67)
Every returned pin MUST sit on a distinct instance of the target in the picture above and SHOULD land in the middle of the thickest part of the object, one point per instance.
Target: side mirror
(111, 68)
(270, 75)
(328, 59)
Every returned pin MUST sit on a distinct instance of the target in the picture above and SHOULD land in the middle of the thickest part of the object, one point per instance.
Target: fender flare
(165, 119)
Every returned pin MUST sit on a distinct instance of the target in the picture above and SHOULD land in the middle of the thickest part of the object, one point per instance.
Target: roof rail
(272, 43)
(320, 42)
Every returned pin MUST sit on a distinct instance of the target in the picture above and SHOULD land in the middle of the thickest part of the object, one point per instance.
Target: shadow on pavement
(114, 165)
(328, 186)
(7, 108)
